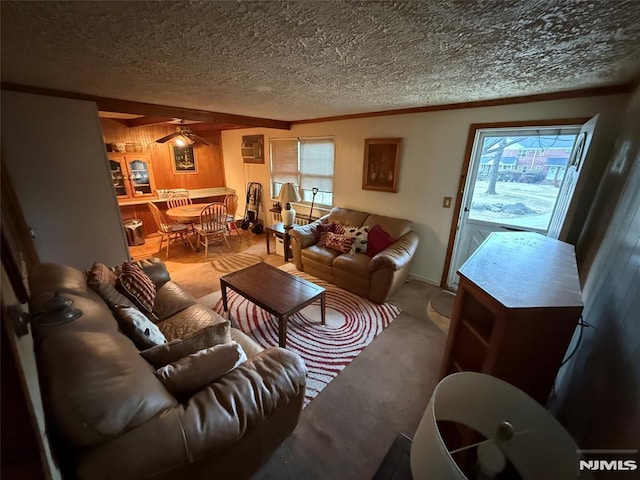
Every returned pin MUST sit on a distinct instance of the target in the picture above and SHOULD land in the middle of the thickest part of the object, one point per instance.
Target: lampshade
(539, 447)
(288, 193)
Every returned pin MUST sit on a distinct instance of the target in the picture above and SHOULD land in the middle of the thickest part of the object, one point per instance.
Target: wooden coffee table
(279, 293)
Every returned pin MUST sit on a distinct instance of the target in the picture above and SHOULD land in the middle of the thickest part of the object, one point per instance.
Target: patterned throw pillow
(195, 371)
(321, 230)
(359, 236)
(173, 351)
(341, 243)
(142, 331)
(103, 281)
(137, 285)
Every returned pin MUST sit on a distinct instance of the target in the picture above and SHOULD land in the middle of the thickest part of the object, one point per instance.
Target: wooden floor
(200, 276)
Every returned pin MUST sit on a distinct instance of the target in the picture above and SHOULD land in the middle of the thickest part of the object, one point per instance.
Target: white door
(516, 182)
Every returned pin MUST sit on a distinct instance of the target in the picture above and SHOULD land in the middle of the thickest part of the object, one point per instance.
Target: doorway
(515, 178)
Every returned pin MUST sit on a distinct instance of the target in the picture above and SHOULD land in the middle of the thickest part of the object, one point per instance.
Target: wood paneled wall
(208, 157)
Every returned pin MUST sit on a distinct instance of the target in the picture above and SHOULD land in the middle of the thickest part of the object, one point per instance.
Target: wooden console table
(515, 312)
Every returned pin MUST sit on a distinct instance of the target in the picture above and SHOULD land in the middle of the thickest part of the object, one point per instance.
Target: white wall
(433, 148)
(54, 152)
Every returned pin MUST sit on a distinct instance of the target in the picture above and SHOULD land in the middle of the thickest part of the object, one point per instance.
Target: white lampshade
(539, 448)
(288, 194)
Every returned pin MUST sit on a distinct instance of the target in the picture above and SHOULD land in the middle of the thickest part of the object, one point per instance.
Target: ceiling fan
(183, 136)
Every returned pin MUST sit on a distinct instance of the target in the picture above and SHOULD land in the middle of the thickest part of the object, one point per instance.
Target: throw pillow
(173, 351)
(360, 238)
(103, 280)
(191, 373)
(323, 229)
(341, 243)
(135, 325)
(378, 240)
(137, 286)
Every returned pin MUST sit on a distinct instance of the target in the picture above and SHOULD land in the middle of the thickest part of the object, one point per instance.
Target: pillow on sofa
(359, 236)
(137, 286)
(167, 353)
(321, 230)
(135, 325)
(341, 243)
(378, 240)
(191, 373)
(103, 281)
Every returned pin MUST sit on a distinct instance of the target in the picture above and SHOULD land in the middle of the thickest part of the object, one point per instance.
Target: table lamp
(288, 194)
(517, 429)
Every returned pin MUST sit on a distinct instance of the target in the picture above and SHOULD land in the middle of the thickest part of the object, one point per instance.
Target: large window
(305, 162)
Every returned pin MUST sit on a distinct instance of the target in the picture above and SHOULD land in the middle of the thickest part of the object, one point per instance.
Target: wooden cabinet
(132, 175)
(517, 306)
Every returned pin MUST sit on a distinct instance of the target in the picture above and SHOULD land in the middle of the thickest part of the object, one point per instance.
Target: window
(305, 162)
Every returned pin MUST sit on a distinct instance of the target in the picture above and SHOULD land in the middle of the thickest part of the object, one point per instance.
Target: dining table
(189, 214)
(186, 213)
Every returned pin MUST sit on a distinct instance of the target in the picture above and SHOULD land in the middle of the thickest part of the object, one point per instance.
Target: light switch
(446, 203)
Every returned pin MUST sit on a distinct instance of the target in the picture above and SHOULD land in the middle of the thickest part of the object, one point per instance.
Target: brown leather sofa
(109, 416)
(375, 278)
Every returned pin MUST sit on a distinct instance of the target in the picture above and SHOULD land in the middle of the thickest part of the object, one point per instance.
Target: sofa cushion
(339, 243)
(346, 216)
(171, 299)
(135, 325)
(103, 281)
(155, 270)
(396, 227)
(189, 374)
(322, 255)
(98, 386)
(137, 286)
(356, 264)
(379, 240)
(191, 319)
(162, 355)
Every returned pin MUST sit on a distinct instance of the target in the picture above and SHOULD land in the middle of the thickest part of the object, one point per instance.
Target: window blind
(284, 161)
(316, 164)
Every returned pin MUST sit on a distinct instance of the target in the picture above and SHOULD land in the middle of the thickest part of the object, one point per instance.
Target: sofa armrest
(305, 235)
(210, 422)
(223, 412)
(397, 255)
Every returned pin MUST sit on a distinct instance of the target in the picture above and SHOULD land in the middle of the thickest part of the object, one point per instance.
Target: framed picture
(184, 161)
(381, 164)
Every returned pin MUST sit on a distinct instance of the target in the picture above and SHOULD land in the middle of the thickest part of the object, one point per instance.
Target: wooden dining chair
(169, 231)
(213, 224)
(178, 200)
(231, 202)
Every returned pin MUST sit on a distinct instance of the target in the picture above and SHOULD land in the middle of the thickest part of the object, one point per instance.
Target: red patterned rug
(352, 322)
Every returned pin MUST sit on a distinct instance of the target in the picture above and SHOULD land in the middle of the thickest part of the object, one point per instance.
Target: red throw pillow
(378, 240)
(323, 228)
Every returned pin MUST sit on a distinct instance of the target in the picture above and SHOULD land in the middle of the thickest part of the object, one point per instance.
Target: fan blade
(168, 137)
(196, 138)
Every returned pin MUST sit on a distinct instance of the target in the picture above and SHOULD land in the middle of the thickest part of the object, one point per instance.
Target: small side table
(280, 231)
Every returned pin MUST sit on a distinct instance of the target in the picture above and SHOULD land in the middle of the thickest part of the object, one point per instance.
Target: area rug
(352, 322)
(235, 261)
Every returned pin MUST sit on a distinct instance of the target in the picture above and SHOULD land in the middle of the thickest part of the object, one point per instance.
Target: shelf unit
(132, 175)
(516, 309)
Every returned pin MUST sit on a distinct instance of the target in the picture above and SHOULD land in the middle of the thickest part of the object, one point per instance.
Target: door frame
(473, 128)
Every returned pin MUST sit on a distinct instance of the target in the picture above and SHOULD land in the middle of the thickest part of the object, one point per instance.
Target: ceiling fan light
(180, 141)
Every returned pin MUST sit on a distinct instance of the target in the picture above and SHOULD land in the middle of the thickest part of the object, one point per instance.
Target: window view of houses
(519, 178)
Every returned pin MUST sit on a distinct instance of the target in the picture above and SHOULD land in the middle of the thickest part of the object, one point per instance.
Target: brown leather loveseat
(374, 277)
(108, 414)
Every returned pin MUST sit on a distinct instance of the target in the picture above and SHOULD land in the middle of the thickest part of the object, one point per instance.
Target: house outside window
(305, 162)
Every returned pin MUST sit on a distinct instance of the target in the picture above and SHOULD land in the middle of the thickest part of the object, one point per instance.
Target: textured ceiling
(301, 60)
